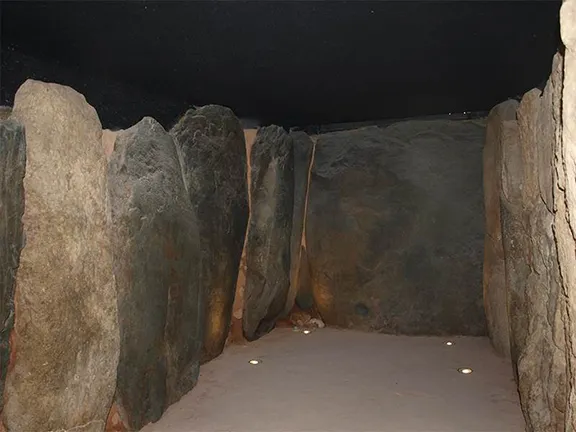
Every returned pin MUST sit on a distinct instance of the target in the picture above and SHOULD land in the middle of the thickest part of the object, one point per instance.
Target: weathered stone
(395, 228)
(108, 140)
(268, 241)
(211, 144)
(501, 130)
(537, 310)
(155, 258)
(305, 296)
(12, 167)
(303, 147)
(565, 199)
(5, 112)
(65, 343)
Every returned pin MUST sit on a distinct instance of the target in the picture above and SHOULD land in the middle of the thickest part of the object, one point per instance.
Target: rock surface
(565, 198)
(269, 232)
(537, 311)
(305, 296)
(303, 148)
(211, 144)
(5, 112)
(501, 131)
(12, 167)
(155, 259)
(65, 343)
(395, 228)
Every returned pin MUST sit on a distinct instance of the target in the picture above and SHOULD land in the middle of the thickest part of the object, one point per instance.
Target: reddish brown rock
(63, 368)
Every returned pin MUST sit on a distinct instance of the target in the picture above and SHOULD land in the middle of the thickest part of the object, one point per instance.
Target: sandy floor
(344, 381)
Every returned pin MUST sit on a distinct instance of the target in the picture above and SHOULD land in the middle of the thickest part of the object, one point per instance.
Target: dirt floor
(345, 381)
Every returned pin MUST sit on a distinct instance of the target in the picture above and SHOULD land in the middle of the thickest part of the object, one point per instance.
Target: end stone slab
(211, 143)
(269, 232)
(65, 343)
(12, 167)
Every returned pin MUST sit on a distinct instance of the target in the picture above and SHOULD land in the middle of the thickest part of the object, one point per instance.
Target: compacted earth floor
(346, 381)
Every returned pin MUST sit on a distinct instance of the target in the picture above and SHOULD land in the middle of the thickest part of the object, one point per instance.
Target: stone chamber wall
(131, 257)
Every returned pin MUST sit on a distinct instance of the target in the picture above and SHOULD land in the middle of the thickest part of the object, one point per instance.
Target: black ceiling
(289, 62)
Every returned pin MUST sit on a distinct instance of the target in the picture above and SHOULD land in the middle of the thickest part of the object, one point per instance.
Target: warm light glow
(465, 371)
(306, 332)
(254, 362)
(449, 343)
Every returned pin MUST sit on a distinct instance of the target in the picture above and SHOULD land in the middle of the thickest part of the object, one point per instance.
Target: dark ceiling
(289, 62)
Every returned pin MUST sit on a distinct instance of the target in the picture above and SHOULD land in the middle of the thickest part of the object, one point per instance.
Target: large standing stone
(303, 147)
(395, 228)
(12, 168)
(211, 143)
(501, 131)
(535, 301)
(565, 198)
(155, 258)
(269, 232)
(62, 372)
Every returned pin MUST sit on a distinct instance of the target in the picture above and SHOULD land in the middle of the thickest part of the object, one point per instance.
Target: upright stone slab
(12, 169)
(535, 300)
(303, 147)
(211, 144)
(269, 232)
(395, 228)
(565, 197)
(155, 258)
(62, 372)
(501, 131)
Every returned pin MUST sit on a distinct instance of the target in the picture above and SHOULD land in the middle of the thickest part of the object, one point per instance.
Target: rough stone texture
(12, 167)
(536, 307)
(108, 140)
(395, 228)
(211, 144)
(155, 264)
(305, 297)
(268, 241)
(5, 112)
(501, 131)
(303, 148)
(65, 342)
(565, 198)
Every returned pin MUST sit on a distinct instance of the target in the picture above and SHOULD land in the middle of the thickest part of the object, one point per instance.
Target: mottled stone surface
(5, 112)
(565, 198)
(501, 131)
(305, 297)
(211, 144)
(269, 232)
(303, 147)
(12, 167)
(395, 228)
(535, 302)
(62, 372)
(155, 259)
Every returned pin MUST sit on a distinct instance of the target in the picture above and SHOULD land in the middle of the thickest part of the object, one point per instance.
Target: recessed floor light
(306, 331)
(449, 343)
(254, 362)
(465, 371)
